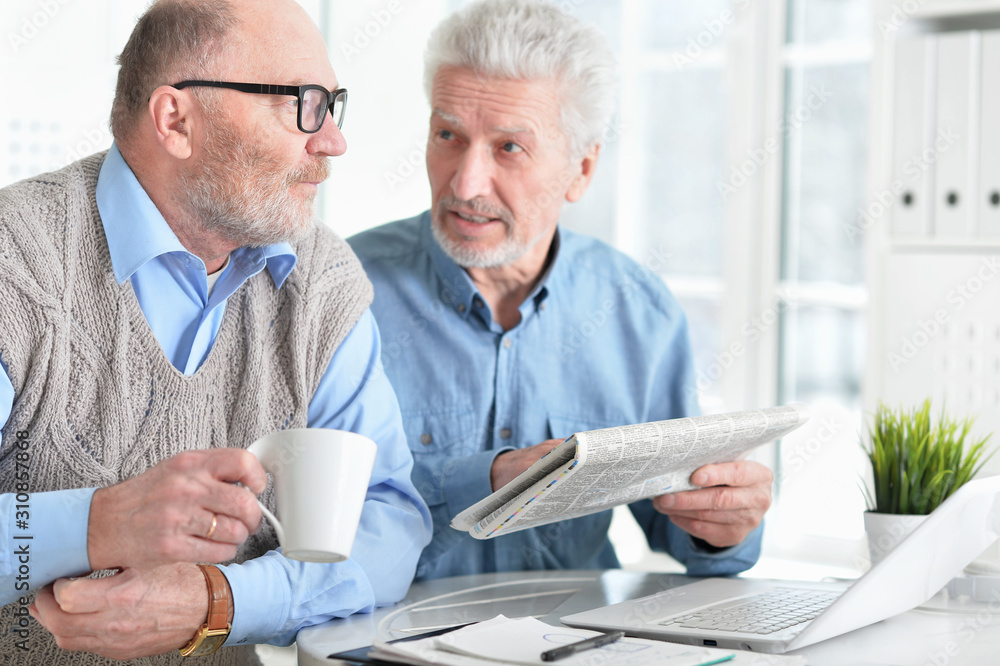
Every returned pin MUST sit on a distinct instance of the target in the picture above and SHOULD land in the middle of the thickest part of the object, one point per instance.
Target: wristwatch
(211, 635)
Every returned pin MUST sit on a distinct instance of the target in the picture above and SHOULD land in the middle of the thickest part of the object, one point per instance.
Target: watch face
(209, 645)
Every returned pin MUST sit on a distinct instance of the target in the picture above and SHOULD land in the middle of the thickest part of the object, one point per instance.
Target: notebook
(748, 614)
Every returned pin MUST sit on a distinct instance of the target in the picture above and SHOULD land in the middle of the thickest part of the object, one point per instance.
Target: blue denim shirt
(601, 342)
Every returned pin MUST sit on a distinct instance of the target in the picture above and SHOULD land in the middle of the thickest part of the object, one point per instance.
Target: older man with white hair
(504, 333)
(162, 306)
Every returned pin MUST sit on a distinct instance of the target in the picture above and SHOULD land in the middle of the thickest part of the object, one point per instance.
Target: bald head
(244, 40)
(272, 30)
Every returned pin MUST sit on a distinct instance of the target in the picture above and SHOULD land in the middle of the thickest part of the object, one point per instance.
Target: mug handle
(274, 521)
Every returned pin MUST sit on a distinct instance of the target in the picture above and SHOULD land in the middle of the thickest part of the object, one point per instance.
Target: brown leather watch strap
(218, 597)
(213, 634)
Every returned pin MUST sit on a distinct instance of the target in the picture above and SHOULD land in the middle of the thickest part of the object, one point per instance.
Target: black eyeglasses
(313, 100)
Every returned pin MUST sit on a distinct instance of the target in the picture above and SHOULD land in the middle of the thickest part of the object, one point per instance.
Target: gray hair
(173, 40)
(527, 39)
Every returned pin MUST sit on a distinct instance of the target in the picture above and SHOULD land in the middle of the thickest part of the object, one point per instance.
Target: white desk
(917, 638)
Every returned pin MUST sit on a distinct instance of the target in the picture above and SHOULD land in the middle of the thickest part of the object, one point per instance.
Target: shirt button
(426, 438)
(507, 343)
(542, 306)
(478, 301)
(505, 433)
(461, 307)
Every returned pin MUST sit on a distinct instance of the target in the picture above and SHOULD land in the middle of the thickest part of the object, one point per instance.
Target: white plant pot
(886, 531)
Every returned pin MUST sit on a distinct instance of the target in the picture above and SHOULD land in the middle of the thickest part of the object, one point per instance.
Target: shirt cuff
(715, 561)
(260, 602)
(57, 524)
(702, 546)
(466, 483)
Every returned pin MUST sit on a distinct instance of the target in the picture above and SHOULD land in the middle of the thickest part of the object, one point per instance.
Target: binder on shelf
(956, 136)
(989, 137)
(912, 134)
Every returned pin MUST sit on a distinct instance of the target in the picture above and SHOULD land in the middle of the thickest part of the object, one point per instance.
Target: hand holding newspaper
(599, 469)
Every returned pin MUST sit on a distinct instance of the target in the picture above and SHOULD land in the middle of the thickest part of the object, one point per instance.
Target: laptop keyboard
(764, 613)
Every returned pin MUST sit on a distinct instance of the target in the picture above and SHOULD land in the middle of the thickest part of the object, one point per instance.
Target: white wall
(57, 59)
(58, 77)
(377, 51)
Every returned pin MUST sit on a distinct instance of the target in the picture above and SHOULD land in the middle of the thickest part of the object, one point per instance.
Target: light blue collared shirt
(601, 342)
(274, 596)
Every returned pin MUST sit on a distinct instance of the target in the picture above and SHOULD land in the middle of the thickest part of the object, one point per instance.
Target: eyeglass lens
(314, 108)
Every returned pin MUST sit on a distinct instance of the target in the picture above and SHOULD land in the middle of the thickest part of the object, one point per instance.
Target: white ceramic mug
(320, 481)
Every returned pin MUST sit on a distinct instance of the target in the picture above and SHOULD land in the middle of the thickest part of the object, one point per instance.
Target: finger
(198, 549)
(721, 536)
(67, 628)
(718, 498)
(44, 607)
(738, 473)
(234, 503)
(738, 517)
(236, 466)
(82, 595)
(227, 530)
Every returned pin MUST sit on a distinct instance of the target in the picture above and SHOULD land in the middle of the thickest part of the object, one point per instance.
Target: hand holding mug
(321, 479)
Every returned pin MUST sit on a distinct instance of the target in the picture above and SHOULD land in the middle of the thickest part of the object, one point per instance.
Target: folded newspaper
(596, 470)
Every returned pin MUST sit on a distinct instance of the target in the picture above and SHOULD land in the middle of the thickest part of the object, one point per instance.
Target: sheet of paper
(522, 641)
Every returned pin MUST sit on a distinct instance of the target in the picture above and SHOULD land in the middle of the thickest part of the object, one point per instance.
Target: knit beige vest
(97, 396)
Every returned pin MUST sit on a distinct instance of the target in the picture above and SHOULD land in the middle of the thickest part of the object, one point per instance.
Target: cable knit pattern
(100, 399)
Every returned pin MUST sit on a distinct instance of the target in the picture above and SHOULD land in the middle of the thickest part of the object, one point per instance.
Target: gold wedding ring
(211, 530)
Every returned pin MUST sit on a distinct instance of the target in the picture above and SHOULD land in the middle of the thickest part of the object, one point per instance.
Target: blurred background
(735, 159)
(736, 166)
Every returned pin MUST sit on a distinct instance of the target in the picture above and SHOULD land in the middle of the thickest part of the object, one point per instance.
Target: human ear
(584, 173)
(170, 110)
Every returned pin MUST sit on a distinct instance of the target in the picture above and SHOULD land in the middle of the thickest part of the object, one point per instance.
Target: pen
(728, 657)
(586, 644)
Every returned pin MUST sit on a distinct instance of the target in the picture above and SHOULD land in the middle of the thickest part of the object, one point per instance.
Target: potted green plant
(917, 463)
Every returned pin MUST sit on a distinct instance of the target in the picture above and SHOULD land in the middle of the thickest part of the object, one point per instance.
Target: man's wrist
(102, 508)
(212, 634)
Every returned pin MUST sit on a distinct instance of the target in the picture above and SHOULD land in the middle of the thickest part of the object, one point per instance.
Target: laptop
(778, 616)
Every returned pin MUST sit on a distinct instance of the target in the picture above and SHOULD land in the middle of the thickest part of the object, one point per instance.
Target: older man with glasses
(505, 333)
(162, 306)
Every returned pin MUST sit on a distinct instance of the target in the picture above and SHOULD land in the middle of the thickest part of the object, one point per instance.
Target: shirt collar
(137, 232)
(459, 291)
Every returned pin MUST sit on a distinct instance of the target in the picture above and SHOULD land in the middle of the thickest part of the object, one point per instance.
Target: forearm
(699, 558)
(703, 560)
(275, 597)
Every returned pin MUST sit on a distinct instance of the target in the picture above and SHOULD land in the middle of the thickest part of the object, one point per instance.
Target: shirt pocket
(449, 433)
(563, 426)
